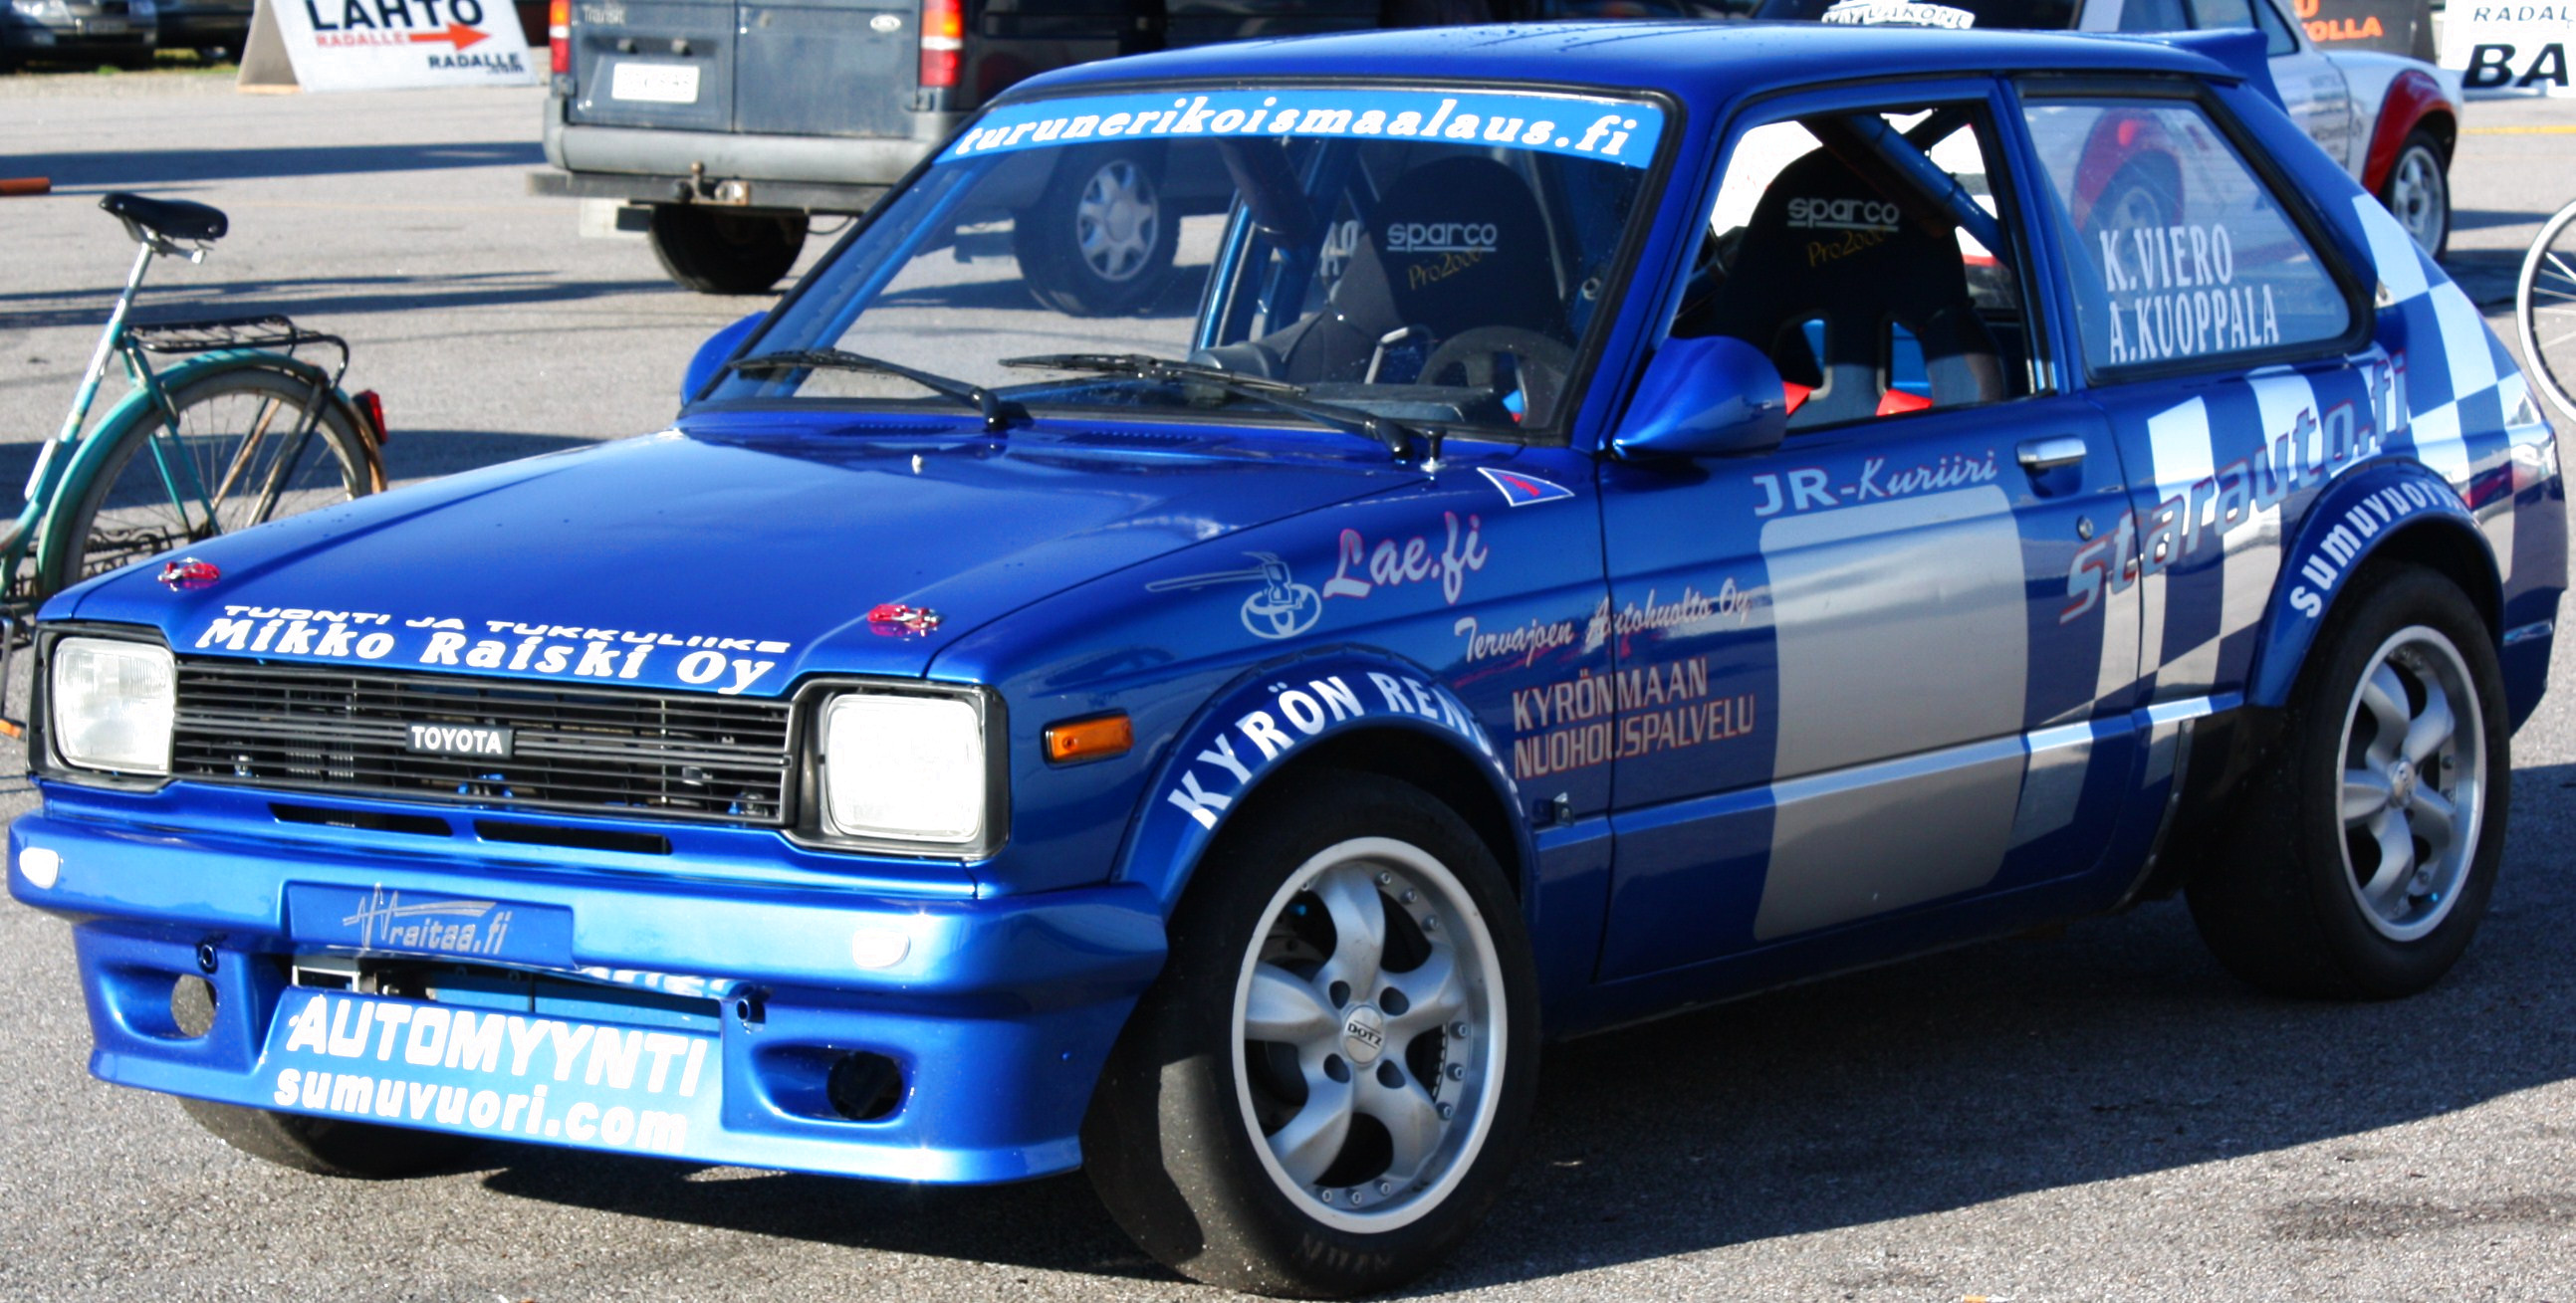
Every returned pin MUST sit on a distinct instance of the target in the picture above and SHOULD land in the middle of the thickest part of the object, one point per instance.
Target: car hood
(729, 556)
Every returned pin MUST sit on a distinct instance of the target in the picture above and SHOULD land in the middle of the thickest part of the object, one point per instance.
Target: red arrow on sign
(457, 34)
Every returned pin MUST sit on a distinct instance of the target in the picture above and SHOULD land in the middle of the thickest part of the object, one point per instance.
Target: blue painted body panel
(1744, 720)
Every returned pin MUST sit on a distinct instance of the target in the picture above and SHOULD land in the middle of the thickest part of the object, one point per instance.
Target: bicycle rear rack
(270, 332)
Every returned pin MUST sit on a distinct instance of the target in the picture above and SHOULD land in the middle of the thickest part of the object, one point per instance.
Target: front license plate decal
(380, 919)
(512, 1076)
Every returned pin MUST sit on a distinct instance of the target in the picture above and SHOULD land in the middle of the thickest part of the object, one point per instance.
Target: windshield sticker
(557, 650)
(1617, 131)
(1899, 13)
(2174, 294)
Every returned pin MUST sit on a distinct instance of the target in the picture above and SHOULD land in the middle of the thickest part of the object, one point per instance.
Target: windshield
(1432, 257)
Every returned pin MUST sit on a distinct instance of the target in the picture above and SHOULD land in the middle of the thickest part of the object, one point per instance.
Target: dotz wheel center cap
(1364, 1035)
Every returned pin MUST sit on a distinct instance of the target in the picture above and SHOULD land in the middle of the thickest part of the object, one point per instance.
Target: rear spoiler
(2239, 50)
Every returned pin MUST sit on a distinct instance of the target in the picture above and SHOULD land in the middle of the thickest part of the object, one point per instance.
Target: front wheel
(248, 447)
(2362, 861)
(2418, 192)
(1324, 1091)
(329, 1146)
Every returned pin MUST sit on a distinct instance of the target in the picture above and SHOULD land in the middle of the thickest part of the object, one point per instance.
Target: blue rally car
(1600, 519)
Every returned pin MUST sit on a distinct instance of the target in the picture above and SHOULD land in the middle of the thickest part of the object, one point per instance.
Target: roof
(1700, 61)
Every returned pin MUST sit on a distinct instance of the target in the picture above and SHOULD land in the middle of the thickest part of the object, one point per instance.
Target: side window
(2223, 15)
(1865, 253)
(2152, 16)
(2178, 251)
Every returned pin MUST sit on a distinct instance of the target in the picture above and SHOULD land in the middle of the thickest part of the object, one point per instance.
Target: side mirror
(713, 354)
(1705, 397)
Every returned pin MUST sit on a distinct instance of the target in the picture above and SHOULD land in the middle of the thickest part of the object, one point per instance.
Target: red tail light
(559, 34)
(372, 406)
(943, 36)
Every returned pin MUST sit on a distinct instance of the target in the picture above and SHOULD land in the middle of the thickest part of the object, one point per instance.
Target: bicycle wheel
(242, 453)
(2544, 306)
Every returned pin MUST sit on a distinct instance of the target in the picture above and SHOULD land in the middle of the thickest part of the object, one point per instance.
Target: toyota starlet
(1587, 521)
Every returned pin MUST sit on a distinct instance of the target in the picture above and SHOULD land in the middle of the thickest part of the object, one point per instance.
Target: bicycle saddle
(173, 218)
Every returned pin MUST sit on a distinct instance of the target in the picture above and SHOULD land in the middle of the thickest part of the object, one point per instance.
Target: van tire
(714, 251)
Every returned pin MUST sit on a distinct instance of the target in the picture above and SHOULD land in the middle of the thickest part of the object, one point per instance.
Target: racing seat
(1824, 244)
(1456, 245)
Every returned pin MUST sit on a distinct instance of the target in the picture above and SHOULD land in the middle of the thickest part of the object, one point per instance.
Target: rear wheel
(241, 454)
(1099, 241)
(2364, 858)
(2418, 191)
(714, 251)
(1324, 1091)
(328, 1146)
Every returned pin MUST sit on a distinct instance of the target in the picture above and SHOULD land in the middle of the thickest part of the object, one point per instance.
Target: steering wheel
(1544, 363)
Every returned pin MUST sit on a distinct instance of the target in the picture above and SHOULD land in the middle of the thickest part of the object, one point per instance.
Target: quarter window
(2179, 251)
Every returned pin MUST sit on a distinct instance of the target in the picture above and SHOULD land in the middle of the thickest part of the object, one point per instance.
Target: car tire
(1193, 1136)
(329, 1146)
(2418, 192)
(2394, 743)
(1098, 242)
(714, 251)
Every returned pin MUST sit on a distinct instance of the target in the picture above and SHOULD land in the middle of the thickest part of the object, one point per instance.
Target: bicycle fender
(136, 407)
(2353, 520)
(1256, 728)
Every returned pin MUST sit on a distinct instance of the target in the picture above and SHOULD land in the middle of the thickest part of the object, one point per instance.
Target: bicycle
(219, 441)
(2545, 301)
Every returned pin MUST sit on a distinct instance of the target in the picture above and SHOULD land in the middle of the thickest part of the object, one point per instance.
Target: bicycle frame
(61, 466)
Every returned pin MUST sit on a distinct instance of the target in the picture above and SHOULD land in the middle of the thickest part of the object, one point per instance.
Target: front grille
(586, 750)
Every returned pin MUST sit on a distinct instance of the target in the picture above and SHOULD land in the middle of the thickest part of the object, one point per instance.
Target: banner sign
(330, 45)
(2509, 49)
(2390, 26)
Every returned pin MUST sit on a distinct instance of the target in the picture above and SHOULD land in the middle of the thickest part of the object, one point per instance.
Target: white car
(2390, 120)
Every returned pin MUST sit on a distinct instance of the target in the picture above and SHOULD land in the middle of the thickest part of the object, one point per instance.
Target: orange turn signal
(1098, 738)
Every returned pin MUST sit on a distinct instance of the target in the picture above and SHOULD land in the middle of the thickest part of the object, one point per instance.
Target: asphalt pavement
(2100, 1113)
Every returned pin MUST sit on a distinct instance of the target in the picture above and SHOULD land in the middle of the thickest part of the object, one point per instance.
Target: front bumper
(999, 1011)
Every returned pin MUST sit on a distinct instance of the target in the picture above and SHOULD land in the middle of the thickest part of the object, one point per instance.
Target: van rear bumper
(828, 173)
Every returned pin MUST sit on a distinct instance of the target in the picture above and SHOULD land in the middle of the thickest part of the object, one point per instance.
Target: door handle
(2048, 454)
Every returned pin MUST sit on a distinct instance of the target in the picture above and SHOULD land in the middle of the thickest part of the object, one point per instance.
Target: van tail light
(943, 37)
(372, 407)
(559, 35)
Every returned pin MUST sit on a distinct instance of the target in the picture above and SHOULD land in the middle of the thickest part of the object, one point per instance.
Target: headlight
(904, 768)
(113, 703)
(42, 10)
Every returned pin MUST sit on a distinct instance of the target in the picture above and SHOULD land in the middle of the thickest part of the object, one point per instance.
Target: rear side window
(2178, 251)
(2221, 15)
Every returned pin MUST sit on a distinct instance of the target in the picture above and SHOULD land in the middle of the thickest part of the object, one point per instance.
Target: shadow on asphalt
(2113, 1050)
(2479, 219)
(148, 167)
(312, 301)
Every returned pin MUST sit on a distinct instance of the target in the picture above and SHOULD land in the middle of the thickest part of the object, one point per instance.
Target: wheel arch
(2391, 511)
(1379, 715)
(2413, 100)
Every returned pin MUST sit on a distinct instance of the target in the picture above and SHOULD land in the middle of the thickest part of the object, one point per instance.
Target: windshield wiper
(1400, 439)
(997, 414)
